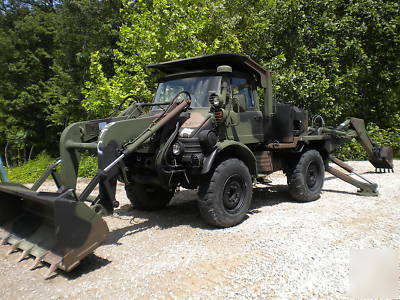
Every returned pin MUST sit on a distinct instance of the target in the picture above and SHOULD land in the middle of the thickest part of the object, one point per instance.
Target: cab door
(247, 123)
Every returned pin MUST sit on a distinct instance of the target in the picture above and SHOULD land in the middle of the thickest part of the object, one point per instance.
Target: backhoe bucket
(382, 158)
(48, 226)
(379, 157)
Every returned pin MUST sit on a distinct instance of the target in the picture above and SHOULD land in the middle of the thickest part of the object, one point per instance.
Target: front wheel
(306, 178)
(145, 197)
(225, 196)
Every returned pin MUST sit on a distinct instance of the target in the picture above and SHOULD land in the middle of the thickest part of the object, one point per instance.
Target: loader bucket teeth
(23, 255)
(37, 262)
(13, 248)
(48, 226)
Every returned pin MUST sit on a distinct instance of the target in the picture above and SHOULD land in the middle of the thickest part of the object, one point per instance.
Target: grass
(30, 171)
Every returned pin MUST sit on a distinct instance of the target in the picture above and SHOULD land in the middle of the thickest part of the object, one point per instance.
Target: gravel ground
(282, 249)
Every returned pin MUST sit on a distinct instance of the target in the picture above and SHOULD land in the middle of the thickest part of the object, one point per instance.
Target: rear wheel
(225, 197)
(147, 197)
(306, 178)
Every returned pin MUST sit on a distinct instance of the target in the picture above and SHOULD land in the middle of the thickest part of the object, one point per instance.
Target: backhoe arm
(380, 157)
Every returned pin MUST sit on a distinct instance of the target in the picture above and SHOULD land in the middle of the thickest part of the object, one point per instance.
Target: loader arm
(58, 227)
(118, 136)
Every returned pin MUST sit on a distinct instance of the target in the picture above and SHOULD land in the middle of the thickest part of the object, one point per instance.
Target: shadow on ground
(183, 210)
(87, 265)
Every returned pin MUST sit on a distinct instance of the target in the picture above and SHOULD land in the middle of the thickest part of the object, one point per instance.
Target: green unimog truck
(213, 126)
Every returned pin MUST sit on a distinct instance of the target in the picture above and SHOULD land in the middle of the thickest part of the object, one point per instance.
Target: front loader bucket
(48, 226)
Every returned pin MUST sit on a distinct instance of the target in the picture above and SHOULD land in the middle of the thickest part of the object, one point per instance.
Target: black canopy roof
(238, 62)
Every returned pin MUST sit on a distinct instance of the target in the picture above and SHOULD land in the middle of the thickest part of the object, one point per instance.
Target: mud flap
(48, 226)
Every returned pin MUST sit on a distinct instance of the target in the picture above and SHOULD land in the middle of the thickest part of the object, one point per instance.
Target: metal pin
(24, 255)
(13, 248)
(52, 268)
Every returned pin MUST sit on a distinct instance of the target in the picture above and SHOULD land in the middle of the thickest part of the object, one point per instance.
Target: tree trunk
(5, 155)
(30, 153)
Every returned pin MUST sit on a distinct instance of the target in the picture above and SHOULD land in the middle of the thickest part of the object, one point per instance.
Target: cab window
(242, 86)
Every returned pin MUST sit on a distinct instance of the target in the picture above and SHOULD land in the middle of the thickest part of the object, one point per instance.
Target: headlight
(177, 149)
(208, 139)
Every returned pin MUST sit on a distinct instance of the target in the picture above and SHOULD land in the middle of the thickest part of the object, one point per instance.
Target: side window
(242, 87)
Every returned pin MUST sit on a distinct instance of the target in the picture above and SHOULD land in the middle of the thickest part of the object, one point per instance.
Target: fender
(231, 148)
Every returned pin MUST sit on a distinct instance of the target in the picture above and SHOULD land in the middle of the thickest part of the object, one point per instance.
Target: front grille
(192, 145)
(192, 153)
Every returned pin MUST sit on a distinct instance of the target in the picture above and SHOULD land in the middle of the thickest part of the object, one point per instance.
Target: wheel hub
(312, 175)
(233, 193)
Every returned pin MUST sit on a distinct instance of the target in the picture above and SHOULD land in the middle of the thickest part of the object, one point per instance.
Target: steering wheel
(191, 97)
(182, 92)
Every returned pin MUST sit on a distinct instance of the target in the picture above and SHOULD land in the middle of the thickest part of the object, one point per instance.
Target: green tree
(45, 50)
(83, 26)
(334, 57)
(154, 31)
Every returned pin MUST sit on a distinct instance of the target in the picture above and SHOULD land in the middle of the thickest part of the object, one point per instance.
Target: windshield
(198, 87)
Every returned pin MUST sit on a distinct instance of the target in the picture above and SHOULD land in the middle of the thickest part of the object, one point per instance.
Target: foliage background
(67, 60)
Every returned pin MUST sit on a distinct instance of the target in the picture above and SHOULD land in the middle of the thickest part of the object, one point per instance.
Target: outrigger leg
(366, 188)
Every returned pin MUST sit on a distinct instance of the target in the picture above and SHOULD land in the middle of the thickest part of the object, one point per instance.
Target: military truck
(213, 125)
